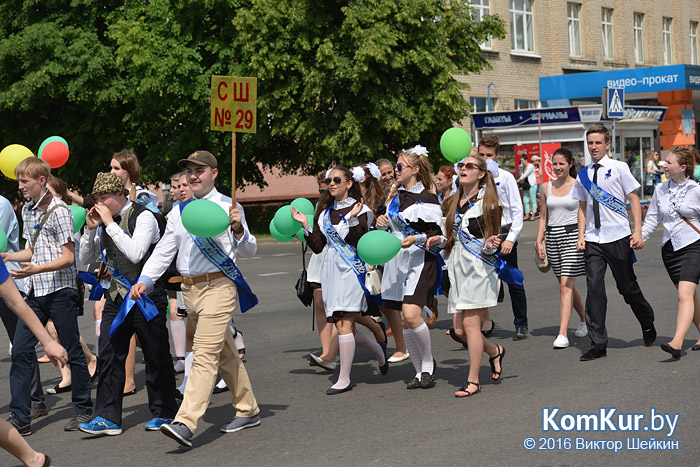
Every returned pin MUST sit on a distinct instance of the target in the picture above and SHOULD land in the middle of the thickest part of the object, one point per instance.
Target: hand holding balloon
(300, 217)
(235, 217)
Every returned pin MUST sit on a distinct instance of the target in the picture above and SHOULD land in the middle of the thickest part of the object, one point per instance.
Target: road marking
(246, 259)
(272, 274)
(283, 254)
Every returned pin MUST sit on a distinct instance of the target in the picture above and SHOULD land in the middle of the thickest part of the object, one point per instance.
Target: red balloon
(55, 154)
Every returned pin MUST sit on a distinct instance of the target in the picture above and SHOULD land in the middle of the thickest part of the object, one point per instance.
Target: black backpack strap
(42, 222)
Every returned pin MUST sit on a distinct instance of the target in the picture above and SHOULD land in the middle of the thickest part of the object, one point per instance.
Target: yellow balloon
(11, 156)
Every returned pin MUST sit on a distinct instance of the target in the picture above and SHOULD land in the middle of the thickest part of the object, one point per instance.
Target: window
(522, 33)
(522, 104)
(574, 19)
(481, 9)
(638, 37)
(693, 42)
(479, 104)
(668, 51)
(608, 44)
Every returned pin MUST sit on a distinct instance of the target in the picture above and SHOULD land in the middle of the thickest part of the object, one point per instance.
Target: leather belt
(196, 279)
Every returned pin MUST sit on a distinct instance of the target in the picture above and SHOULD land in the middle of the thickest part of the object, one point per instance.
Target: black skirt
(684, 264)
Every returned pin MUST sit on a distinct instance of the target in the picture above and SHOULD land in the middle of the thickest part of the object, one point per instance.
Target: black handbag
(304, 292)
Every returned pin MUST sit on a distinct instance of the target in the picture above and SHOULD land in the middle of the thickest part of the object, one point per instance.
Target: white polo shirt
(616, 179)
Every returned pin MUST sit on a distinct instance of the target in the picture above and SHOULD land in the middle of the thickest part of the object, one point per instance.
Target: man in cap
(127, 233)
(211, 283)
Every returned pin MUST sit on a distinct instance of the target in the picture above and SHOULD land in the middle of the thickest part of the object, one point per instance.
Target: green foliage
(337, 80)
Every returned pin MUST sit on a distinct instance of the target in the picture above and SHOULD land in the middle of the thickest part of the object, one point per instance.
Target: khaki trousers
(210, 306)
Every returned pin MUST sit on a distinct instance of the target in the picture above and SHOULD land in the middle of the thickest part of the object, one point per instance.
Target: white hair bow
(358, 174)
(418, 149)
(374, 170)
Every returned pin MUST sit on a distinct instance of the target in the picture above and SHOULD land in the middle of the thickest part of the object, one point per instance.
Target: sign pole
(233, 168)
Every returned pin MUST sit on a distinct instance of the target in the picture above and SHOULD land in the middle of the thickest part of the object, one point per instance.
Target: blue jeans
(530, 199)
(61, 307)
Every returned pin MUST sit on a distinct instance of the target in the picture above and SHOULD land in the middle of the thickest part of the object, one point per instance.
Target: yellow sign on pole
(233, 104)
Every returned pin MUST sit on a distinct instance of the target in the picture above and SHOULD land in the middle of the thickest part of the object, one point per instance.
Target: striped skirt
(561, 251)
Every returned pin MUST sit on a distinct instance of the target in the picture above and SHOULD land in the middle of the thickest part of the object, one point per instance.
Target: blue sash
(349, 255)
(145, 304)
(602, 196)
(213, 252)
(506, 272)
(393, 212)
(89, 278)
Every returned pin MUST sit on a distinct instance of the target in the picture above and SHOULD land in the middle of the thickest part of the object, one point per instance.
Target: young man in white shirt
(607, 240)
(210, 294)
(511, 224)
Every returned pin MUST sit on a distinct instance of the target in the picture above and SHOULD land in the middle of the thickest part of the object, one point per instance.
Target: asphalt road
(379, 422)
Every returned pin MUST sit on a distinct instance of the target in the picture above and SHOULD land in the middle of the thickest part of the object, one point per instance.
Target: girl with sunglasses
(473, 225)
(339, 222)
(408, 284)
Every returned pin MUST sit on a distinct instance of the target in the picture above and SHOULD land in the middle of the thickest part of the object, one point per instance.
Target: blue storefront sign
(548, 116)
(634, 80)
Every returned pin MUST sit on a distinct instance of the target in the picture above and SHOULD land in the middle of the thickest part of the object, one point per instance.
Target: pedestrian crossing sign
(615, 99)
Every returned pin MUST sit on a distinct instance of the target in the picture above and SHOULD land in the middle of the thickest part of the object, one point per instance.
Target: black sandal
(456, 338)
(501, 353)
(488, 332)
(469, 393)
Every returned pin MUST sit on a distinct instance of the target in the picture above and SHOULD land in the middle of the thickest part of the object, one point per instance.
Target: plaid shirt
(57, 231)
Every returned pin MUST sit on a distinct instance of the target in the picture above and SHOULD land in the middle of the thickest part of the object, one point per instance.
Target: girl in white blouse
(676, 204)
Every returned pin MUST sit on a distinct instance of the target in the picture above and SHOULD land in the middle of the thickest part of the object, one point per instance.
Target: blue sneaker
(154, 425)
(101, 426)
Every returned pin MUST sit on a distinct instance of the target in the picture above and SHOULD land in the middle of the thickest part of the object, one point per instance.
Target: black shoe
(456, 338)
(74, 423)
(520, 334)
(695, 347)
(332, 391)
(427, 380)
(178, 394)
(384, 369)
(47, 461)
(58, 389)
(675, 353)
(130, 393)
(218, 390)
(649, 336)
(24, 429)
(37, 412)
(413, 384)
(593, 354)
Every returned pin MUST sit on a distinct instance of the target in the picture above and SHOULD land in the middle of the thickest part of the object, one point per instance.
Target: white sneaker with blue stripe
(101, 426)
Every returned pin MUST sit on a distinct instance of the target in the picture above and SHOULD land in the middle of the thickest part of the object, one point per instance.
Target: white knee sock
(413, 350)
(188, 366)
(422, 336)
(98, 323)
(363, 341)
(178, 330)
(347, 355)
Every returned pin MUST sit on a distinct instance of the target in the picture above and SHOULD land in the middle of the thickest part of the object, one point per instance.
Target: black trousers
(155, 344)
(518, 299)
(619, 256)
(9, 320)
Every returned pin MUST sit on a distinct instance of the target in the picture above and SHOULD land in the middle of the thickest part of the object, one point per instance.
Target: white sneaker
(581, 330)
(561, 342)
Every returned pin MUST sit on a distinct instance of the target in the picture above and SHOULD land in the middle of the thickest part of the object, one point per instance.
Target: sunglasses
(468, 165)
(399, 167)
(336, 180)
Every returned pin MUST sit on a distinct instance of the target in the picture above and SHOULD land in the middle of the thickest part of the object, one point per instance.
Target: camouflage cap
(107, 182)
(199, 158)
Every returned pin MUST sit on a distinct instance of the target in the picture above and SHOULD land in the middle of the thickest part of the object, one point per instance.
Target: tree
(337, 80)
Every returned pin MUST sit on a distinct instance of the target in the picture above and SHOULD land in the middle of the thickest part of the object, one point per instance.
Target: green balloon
(303, 205)
(204, 218)
(284, 222)
(48, 140)
(79, 215)
(377, 247)
(300, 235)
(278, 236)
(455, 144)
(3, 240)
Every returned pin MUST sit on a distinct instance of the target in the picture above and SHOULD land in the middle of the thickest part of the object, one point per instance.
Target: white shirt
(512, 205)
(190, 260)
(529, 173)
(668, 201)
(134, 247)
(615, 178)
